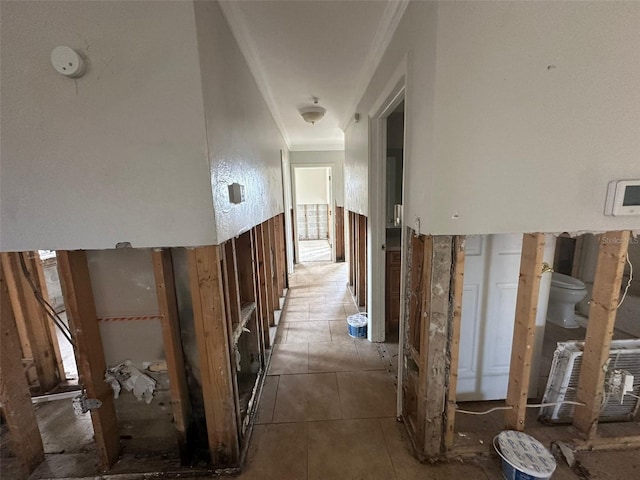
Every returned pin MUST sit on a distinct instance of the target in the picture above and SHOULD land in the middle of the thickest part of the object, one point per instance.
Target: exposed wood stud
(36, 322)
(263, 291)
(83, 322)
(268, 272)
(524, 329)
(423, 323)
(362, 260)
(24, 435)
(213, 350)
(12, 278)
(232, 291)
(602, 315)
(339, 240)
(244, 258)
(454, 338)
(275, 292)
(168, 306)
(41, 283)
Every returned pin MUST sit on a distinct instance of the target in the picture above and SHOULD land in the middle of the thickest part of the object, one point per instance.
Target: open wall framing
(358, 258)
(433, 307)
(235, 291)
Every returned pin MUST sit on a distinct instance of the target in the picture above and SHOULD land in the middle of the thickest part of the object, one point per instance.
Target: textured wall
(516, 125)
(243, 140)
(117, 155)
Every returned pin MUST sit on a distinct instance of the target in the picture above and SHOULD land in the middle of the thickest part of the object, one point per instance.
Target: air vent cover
(563, 382)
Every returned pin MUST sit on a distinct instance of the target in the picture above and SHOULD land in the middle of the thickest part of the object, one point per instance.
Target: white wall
(243, 140)
(312, 186)
(334, 158)
(117, 155)
(518, 123)
(123, 285)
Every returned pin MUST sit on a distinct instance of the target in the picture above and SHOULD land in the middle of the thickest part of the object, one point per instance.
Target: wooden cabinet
(392, 292)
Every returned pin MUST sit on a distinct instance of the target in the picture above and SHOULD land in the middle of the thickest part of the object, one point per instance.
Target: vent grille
(565, 372)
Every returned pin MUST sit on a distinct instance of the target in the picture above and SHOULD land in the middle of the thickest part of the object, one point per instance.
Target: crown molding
(245, 42)
(388, 24)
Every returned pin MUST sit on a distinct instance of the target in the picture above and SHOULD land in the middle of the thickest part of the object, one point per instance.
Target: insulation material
(127, 376)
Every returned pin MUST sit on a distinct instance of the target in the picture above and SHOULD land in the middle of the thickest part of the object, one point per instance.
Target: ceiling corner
(388, 24)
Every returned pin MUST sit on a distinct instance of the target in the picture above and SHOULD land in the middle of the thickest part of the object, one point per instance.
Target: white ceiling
(304, 48)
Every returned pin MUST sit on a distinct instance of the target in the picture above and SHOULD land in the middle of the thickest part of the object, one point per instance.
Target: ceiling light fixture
(313, 113)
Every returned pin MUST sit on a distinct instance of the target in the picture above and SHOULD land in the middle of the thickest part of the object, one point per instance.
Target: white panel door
(490, 290)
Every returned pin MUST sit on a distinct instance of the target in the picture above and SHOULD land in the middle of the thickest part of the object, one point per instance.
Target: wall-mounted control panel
(623, 198)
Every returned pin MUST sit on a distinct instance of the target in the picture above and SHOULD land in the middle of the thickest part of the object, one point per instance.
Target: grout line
(386, 444)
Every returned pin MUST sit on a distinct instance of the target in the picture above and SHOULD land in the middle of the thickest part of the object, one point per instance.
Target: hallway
(328, 405)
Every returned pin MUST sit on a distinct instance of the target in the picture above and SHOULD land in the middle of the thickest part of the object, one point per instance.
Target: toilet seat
(565, 281)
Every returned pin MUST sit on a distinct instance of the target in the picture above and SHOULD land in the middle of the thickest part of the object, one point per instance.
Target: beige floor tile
(326, 312)
(267, 400)
(407, 467)
(367, 394)
(307, 397)
(333, 357)
(308, 332)
(339, 331)
(296, 316)
(277, 452)
(370, 358)
(348, 449)
(289, 358)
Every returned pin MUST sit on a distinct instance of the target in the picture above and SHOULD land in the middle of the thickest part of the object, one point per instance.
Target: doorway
(394, 179)
(313, 213)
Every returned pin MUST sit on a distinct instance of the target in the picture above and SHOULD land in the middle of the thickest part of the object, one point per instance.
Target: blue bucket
(523, 457)
(357, 325)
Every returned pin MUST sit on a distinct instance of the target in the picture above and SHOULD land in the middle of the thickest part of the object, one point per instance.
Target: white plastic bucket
(523, 457)
(357, 325)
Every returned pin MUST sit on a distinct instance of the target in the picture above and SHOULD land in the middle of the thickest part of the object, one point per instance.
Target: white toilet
(565, 292)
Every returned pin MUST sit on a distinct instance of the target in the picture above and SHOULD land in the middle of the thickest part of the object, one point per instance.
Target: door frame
(395, 91)
(332, 224)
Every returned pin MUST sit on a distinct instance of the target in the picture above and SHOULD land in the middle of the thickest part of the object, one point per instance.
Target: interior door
(492, 265)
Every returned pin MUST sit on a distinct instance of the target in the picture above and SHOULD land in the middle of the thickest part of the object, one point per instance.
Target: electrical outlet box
(236, 193)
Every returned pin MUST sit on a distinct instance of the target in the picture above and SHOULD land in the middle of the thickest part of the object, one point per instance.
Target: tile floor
(328, 406)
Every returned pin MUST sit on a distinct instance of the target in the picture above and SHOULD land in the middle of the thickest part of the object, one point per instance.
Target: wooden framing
(245, 268)
(361, 268)
(231, 283)
(524, 329)
(41, 282)
(266, 314)
(352, 251)
(36, 322)
(11, 280)
(168, 306)
(454, 339)
(339, 234)
(213, 349)
(24, 434)
(602, 315)
(276, 293)
(272, 295)
(81, 313)
(281, 260)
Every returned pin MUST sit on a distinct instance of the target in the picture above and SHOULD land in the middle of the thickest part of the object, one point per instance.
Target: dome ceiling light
(314, 113)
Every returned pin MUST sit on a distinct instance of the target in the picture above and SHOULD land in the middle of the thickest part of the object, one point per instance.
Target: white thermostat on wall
(623, 198)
